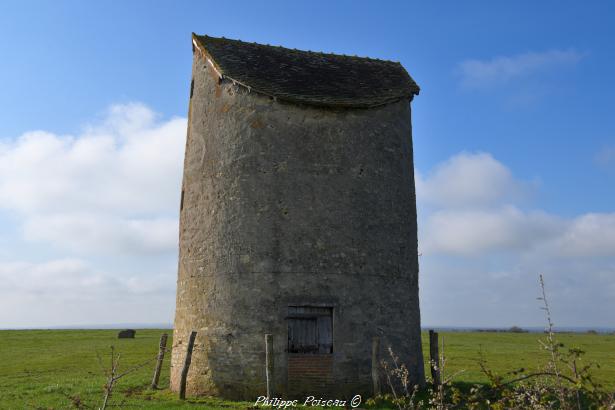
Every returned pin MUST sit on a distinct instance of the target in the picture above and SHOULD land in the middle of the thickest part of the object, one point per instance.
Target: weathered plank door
(302, 335)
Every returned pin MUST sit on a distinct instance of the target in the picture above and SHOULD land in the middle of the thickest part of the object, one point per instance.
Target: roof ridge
(297, 49)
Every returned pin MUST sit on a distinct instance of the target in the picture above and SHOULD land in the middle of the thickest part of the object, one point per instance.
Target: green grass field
(43, 369)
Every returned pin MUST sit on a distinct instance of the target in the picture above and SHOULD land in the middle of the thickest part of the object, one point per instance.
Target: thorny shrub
(564, 383)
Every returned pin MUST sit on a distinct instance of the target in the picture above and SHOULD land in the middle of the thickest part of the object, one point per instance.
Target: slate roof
(308, 77)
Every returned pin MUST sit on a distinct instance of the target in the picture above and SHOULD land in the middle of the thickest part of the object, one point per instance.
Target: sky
(513, 131)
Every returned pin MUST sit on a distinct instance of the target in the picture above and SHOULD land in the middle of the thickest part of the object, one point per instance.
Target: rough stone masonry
(298, 219)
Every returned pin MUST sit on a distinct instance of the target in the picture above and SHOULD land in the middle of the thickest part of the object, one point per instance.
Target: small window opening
(191, 88)
(181, 202)
(310, 329)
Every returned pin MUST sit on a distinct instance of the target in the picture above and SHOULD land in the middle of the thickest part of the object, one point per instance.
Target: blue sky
(514, 138)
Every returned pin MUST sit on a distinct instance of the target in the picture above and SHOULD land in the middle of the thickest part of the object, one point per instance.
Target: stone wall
(293, 205)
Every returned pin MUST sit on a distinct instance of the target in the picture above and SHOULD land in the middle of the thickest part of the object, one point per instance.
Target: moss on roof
(308, 77)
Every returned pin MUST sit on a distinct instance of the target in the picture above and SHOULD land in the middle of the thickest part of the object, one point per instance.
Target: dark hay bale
(127, 334)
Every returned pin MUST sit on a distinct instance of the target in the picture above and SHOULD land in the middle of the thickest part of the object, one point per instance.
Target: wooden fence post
(269, 365)
(376, 365)
(161, 350)
(187, 360)
(434, 357)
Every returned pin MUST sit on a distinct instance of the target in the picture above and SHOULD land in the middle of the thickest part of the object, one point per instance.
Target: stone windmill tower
(298, 219)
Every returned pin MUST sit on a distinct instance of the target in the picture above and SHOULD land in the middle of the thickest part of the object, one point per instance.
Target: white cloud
(82, 232)
(70, 291)
(590, 234)
(56, 276)
(468, 179)
(92, 222)
(509, 229)
(75, 279)
(482, 252)
(499, 70)
(115, 186)
(472, 232)
(468, 205)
